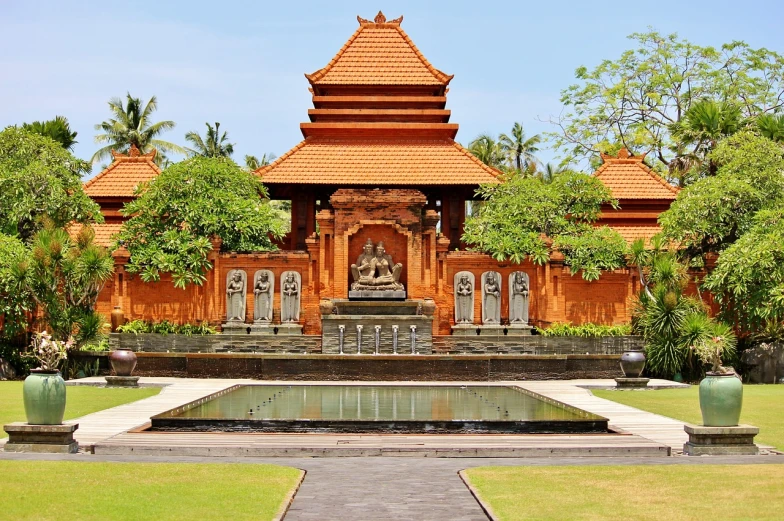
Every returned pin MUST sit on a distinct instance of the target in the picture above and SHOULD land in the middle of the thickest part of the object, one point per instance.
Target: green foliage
(254, 163)
(488, 151)
(130, 125)
(518, 216)
(639, 98)
(165, 327)
(520, 150)
(15, 299)
(175, 217)
(585, 330)
(65, 276)
(39, 179)
(213, 144)
(772, 126)
(57, 129)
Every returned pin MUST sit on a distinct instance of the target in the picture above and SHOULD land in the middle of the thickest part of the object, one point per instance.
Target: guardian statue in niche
(464, 298)
(236, 291)
(519, 287)
(290, 294)
(263, 290)
(491, 297)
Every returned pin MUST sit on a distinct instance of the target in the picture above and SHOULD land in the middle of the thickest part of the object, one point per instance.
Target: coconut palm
(488, 151)
(57, 129)
(519, 148)
(130, 125)
(212, 145)
(254, 163)
(550, 172)
(772, 126)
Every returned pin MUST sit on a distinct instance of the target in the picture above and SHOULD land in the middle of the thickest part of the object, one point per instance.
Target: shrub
(585, 330)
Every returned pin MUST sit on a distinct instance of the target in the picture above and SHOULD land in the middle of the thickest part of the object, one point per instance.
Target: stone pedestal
(518, 330)
(631, 383)
(720, 441)
(122, 381)
(366, 294)
(289, 329)
(23, 437)
(234, 327)
(262, 328)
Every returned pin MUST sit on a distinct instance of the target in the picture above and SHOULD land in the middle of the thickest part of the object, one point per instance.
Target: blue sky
(242, 63)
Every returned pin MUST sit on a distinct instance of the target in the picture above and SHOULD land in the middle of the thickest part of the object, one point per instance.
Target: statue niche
(236, 291)
(263, 290)
(291, 284)
(464, 298)
(491, 297)
(376, 271)
(519, 287)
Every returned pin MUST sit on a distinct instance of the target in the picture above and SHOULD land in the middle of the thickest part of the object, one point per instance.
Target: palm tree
(520, 149)
(213, 144)
(550, 172)
(772, 127)
(130, 125)
(704, 123)
(254, 163)
(488, 151)
(57, 129)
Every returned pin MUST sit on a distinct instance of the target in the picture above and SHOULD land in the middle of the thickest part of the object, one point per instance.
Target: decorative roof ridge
(392, 24)
(264, 169)
(133, 156)
(625, 157)
(492, 171)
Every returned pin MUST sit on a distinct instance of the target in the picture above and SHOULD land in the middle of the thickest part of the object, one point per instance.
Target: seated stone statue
(361, 271)
(388, 273)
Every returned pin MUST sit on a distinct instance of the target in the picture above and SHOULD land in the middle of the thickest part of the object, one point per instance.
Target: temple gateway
(374, 260)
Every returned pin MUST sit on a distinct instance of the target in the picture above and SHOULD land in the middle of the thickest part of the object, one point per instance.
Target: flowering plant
(710, 352)
(48, 352)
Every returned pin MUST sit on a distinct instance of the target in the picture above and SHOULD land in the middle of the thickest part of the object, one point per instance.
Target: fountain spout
(341, 335)
(413, 340)
(359, 339)
(395, 329)
(377, 337)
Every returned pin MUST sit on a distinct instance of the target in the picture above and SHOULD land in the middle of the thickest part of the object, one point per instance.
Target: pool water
(378, 408)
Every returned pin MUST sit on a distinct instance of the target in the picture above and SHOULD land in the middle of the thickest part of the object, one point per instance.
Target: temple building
(378, 188)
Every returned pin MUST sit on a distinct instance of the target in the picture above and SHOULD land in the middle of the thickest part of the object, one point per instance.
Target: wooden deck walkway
(106, 432)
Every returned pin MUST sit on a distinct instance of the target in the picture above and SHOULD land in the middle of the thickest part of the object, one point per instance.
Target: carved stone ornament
(491, 297)
(519, 289)
(464, 297)
(290, 296)
(263, 291)
(236, 291)
(375, 270)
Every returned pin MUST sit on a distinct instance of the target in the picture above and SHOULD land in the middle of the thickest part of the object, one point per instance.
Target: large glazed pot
(43, 393)
(721, 398)
(118, 318)
(632, 363)
(123, 362)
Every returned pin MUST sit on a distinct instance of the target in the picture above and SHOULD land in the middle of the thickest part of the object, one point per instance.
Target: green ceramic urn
(721, 398)
(44, 398)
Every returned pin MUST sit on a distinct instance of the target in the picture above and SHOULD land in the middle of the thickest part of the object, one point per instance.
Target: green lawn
(43, 490)
(81, 400)
(655, 492)
(763, 407)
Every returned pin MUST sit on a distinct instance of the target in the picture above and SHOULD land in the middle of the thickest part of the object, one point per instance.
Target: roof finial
(379, 19)
(623, 153)
(133, 151)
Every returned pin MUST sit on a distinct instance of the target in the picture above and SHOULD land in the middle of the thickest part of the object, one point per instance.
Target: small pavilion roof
(378, 162)
(126, 172)
(379, 53)
(104, 232)
(628, 177)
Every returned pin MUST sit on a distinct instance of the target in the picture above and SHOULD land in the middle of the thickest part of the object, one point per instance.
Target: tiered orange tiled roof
(632, 233)
(379, 53)
(126, 172)
(378, 162)
(628, 177)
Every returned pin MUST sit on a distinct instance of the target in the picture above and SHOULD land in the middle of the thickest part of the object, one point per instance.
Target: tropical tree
(772, 126)
(130, 125)
(488, 151)
(57, 129)
(519, 148)
(254, 163)
(635, 99)
(40, 179)
(526, 218)
(549, 172)
(212, 145)
(176, 216)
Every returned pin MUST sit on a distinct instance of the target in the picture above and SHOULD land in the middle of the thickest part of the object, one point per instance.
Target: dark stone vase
(428, 307)
(123, 362)
(632, 363)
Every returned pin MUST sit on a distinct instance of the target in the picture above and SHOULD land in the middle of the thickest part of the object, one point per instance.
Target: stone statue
(263, 290)
(491, 297)
(519, 288)
(464, 297)
(236, 290)
(361, 270)
(376, 272)
(290, 282)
